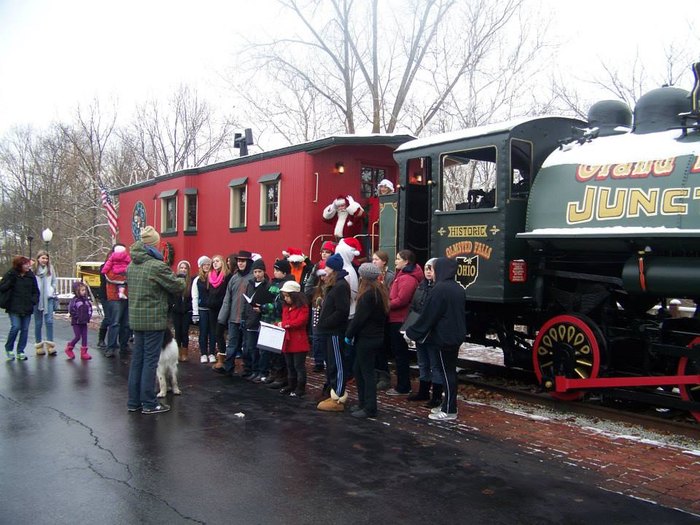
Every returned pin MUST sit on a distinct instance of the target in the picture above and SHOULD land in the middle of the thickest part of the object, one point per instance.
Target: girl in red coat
(295, 318)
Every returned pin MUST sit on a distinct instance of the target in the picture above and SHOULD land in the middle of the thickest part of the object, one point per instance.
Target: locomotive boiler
(571, 237)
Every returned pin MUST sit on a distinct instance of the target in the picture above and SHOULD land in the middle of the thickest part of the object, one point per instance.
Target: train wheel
(568, 345)
(690, 366)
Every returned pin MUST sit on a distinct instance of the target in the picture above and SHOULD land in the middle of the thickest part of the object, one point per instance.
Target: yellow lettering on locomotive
(670, 204)
(478, 230)
(577, 213)
(482, 250)
(642, 169)
(664, 167)
(584, 172)
(462, 247)
(614, 210)
(621, 171)
(603, 172)
(640, 200)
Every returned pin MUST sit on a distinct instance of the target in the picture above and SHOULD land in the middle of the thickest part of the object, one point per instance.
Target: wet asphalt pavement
(71, 453)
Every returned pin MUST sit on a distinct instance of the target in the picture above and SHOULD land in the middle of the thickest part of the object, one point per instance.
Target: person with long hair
(217, 281)
(231, 313)
(20, 294)
(408, 276)
(200, 311)
(46, 280)
(366, 333)
(381, 360)
(295, 318)
(181, 311)
(333, 322)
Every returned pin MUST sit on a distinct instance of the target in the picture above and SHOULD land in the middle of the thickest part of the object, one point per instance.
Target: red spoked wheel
(688, 366)
(568, 345)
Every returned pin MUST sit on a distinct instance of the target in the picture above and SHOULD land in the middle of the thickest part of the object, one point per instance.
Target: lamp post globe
(47, 235)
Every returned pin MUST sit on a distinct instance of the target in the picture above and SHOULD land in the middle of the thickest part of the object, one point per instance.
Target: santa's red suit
(347, 214)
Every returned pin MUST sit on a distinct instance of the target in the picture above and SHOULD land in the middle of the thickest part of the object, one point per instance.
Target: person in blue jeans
(46, 280)
(150, 283)
(19, 294)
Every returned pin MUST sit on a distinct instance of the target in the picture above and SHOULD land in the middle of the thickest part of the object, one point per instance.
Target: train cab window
(418, 171)
(370, 178)
(468, 179)
(520, 168)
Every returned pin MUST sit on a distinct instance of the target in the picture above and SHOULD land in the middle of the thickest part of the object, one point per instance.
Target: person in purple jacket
(80, 310)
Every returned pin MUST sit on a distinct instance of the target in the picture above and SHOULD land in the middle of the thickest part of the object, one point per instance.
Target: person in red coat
(295, 318)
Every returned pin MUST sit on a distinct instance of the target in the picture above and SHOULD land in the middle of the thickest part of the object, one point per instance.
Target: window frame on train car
(191, 211)
(520, 189)
(370, 176)
(269, 215)
(238, 205)
(480, 201)
(168, 212)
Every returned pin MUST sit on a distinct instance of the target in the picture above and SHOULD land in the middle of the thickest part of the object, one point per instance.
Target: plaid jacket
(150, 281)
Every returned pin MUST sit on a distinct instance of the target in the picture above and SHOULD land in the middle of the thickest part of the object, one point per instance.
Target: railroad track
(521, 385)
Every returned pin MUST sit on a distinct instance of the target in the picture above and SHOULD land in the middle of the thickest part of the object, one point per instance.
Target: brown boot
(183, 354)
(333, 403)
(51, 347)
(40, 348)
(220, 358)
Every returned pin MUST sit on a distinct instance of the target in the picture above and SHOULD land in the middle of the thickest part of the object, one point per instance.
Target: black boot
(280, 380)
(300, 389)
(101, 338)
(436, 400)
(423, 393)
(291, 386)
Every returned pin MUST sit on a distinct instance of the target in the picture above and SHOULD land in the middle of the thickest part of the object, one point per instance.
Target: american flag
(109, 209)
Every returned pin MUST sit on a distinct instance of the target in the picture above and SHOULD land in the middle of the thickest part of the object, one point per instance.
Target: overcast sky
(56, 54)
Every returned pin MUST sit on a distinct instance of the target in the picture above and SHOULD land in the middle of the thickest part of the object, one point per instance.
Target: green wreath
(168, 252)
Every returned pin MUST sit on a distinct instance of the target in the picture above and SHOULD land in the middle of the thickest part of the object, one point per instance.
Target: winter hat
(183, 262)
(243, 254)
(369, 271)
(203, 260)
(290, 286)
(328, 246)
(335, 262)
(150, 236)
(387, 183)
(321, 268)
(283, 266)
(118, 248)
(431, 262)
(258, 264)
(293, 255)
(354, 244)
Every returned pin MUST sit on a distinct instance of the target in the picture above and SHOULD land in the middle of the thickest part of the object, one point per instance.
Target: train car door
(417, 209)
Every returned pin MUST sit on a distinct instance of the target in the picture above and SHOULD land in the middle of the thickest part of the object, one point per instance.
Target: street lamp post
(47, 235)
(30, 238)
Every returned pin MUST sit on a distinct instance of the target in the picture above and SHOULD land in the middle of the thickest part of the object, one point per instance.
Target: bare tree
(185, 134)
(419, 65)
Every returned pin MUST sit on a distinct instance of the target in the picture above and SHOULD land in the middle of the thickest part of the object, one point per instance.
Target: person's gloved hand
(349, 342)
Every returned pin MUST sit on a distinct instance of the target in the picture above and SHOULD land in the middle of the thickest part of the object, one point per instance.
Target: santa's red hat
(293, 255)
(354, 244)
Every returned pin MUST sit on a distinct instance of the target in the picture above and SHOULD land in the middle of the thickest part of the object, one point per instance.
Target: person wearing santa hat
(300, 265)
(347, 214)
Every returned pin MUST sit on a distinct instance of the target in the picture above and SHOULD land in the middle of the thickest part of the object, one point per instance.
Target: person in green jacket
(150, 281)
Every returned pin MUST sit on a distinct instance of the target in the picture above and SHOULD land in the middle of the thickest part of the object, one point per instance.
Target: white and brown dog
(167, 365)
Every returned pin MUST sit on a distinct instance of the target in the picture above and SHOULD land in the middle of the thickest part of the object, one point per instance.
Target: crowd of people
(351, 315)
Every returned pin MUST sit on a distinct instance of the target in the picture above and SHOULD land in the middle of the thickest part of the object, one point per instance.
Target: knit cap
(150, 236)
(328, 246)
(258, 264)
(283, 266)
(431, 262)
(369, 271)
(335, 262)
(203, 260)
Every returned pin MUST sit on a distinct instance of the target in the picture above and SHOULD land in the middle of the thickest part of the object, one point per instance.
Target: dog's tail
(167, 336)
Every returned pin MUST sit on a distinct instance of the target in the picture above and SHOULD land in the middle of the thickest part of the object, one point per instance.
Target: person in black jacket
(366, 333)
(181, 312)
(442, 324)
(18, 287)
(333, 322)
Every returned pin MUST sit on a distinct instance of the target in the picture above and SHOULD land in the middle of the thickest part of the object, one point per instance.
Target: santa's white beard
(343, 217)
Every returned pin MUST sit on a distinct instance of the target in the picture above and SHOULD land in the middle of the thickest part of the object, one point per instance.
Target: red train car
(264, 202)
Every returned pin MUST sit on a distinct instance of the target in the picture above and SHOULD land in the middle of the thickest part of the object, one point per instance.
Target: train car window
(520, 168)
(370, 178)
(270, 203)
(237, 209)
(468, 179)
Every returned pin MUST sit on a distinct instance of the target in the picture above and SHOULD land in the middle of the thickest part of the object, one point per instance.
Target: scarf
(44, 282)
(216, 278)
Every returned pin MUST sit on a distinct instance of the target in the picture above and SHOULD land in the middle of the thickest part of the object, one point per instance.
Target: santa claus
(347, 214)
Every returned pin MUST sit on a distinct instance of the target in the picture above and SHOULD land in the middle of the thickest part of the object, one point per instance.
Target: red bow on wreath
(168, 252)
